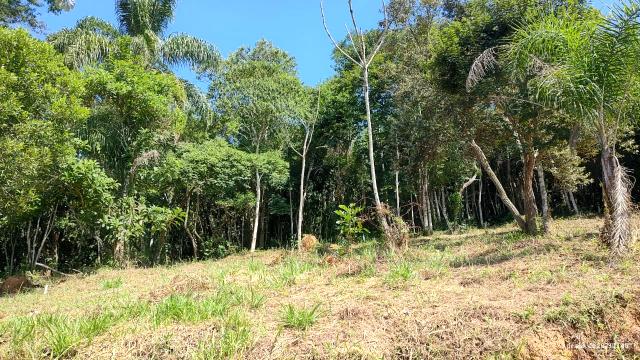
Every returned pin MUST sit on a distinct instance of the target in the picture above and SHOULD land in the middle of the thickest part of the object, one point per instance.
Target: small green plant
(350, 225)
(112, 283)
(399, 274)
(526, 314)
(299, 318)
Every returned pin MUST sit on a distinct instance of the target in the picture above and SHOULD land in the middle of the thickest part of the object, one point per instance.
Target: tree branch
(335, 43)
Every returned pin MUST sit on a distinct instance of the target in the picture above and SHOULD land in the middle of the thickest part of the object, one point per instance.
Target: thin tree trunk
(256, 220)
(574, 203)
(302, 189)
(480, 212)
(436, 202)
(194, 242)
(413, 218)
(380, 210)
(426, 204)
(397, 173)
(482, 159)
(546, 215)
(530, 208)
(444, 208)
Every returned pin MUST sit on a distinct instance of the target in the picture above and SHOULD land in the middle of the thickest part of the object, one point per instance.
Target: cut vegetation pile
(484, 294)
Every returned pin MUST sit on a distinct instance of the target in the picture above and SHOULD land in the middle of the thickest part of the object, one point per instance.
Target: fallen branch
(52, 269)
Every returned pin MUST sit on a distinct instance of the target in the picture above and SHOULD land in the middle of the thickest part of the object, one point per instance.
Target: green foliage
(13, 12)
(300, 318)
(350, 223)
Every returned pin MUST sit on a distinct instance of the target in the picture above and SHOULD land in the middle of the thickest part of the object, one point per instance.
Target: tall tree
(363, 58)
(258, 94)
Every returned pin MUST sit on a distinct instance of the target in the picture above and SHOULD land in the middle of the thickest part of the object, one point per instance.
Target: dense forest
(449, 115)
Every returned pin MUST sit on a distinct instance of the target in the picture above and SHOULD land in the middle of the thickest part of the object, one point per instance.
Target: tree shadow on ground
(496, 255)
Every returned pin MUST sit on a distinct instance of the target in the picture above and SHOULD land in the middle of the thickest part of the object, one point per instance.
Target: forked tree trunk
(482, 159)
(617, 199)
(530, 208)
(256, 220)
(546, 214)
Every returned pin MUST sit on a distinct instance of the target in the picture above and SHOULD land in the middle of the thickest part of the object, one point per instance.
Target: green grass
(289, 271)
(60, 335)
(186, 308)
(300, 318)
(112, 283)
(234, 338)
(400, 273)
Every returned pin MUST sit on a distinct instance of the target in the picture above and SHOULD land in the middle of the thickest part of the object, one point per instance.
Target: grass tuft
(299, 318)
(112, 283)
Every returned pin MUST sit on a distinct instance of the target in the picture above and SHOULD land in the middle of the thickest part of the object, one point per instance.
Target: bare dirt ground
(481, 294)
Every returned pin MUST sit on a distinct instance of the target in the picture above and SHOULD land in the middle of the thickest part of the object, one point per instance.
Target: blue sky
(293, 25)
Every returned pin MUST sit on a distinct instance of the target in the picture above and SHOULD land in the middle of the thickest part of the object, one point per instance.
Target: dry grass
(483, 294)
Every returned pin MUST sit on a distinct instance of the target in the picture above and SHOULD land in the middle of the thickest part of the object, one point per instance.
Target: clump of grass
(186, 308)
(233, 340)
(112, 283)
(57, 336)
(299, 318)
(289, 271)
(256, 266)
(254, 299)
(525, 315)
(400, 274)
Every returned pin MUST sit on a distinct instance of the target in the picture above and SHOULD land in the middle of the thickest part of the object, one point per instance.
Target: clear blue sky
(293, 25)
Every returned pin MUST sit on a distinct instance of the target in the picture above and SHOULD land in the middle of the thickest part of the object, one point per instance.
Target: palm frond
(139, 16)
(92, 23)
(483, 65)
(182, 49)
(198, 104)
(81, 47)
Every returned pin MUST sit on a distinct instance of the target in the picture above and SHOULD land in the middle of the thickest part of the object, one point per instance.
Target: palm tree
(145, 23)
(585, 64)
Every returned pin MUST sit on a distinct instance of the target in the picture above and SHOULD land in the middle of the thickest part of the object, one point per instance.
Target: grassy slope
(482, 294)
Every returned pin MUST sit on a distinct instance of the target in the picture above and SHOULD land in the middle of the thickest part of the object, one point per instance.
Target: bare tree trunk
(617, 198)
(413, 218)
(574, 203)
(302, 190)
(530, 208)
(194, 242)
(436, 202)
(256, 220)
(444, 208)
(480, 213)
(426, 204)
(546, 215)
(380, 210)
(482, 159)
